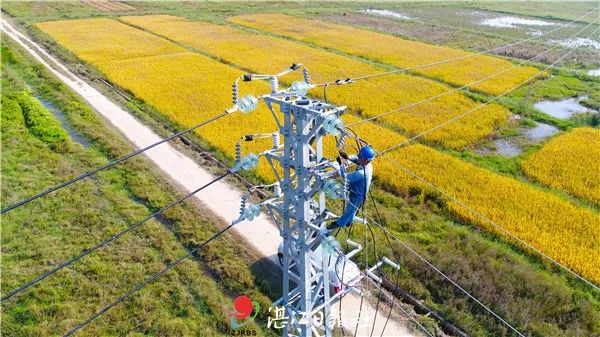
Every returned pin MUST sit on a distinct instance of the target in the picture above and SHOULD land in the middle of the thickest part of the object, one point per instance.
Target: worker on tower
(359, 182)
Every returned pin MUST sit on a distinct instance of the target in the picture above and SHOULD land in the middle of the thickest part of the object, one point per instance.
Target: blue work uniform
(359, 183)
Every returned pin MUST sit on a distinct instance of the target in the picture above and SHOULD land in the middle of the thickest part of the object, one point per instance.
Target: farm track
(222, 198)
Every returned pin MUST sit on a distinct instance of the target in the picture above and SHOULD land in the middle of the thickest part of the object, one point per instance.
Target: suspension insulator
(277, 189)
(341, 141)
(346, 186)
(238, 152)
(234, 93)
(243, 203)
(306, 75)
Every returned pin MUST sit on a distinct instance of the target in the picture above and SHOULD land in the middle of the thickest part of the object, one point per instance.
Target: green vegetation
(41, 123)
(561, 86)
(192, 299)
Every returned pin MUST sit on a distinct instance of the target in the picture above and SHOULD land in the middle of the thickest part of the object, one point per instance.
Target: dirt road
(221, 198)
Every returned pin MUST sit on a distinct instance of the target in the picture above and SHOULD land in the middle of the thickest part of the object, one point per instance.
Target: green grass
(193, 299)
(41, 123)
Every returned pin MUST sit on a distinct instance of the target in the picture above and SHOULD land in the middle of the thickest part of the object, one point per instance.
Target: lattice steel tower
(315, 271)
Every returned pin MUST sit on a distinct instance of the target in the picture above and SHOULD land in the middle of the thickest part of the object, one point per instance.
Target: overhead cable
(109, 240)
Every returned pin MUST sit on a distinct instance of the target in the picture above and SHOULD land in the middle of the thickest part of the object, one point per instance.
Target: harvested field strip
(188, 88)
(570, 162)
(94, 40)
(265, 54)
(394, 51)
(109, 6)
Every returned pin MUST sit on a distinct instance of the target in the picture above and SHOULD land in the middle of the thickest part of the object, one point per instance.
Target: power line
(359, 78)
(445, 93)
(445, 276)
(390, 297)
(109, 240)
(481, 105)
(148, 280)
(433, 266)
(395, 303)
(454, 199)
(382, 153)
(387, 319)
(110, 164)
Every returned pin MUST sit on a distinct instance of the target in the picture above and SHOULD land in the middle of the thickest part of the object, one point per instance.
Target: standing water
(594, 72)
(561, 109)
(64, 123)
(506, 148)
(540, 132)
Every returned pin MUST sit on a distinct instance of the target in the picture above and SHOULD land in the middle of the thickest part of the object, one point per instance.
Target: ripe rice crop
(265, 54)
(394, 51)
(189, 88)
(95, 40)
(559, 228)
(570, 162)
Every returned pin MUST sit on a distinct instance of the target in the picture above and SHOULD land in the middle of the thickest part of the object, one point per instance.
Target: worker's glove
(343, 155)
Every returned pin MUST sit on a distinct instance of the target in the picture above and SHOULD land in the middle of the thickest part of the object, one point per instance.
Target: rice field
(188, 88)
(394, 51)
(566, 232)
(265, 54)
(570, 162)
(110, 40)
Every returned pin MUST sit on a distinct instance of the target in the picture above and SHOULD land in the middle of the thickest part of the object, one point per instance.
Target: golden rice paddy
(395, 51)
(188, 88)
(265, 54)
(570, 162)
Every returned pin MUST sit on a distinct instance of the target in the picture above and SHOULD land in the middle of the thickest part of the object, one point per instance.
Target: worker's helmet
(367, 153)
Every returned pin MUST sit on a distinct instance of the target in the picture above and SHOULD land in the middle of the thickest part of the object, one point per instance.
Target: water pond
(561, 109)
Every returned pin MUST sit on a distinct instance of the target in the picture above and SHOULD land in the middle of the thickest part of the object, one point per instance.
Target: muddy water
(540, 132)
(64, 123)
(388, 13)
(577, 42)
(561, 109)
(514, 22)
(513, 146)
(506, 148)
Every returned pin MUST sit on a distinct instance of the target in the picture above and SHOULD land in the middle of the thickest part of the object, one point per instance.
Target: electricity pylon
(316, 273)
